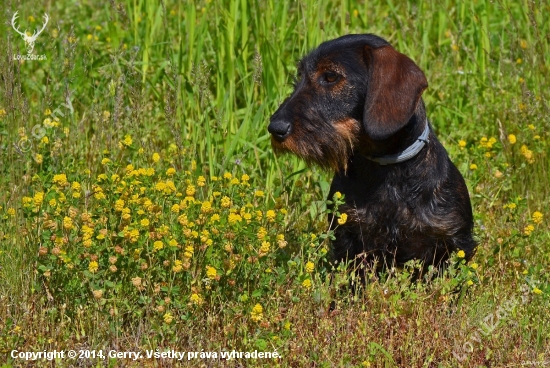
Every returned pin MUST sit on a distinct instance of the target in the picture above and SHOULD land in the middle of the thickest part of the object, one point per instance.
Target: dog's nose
(279, 129)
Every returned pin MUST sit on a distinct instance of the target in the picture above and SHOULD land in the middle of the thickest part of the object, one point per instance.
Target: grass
(141, 206)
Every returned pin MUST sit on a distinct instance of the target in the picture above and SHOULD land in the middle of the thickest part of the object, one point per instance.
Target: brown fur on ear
(394, 88)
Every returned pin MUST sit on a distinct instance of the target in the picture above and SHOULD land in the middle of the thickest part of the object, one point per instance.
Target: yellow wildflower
(537, 217)
(462, 143)
(310, 266)
(67, 223)
(527, 230)
(307, 284)
(168, 318)
(190, 191)
(158, 245)
(270, 215)
(93, 266)
(156, 157)
(343, 218)
(178, 266)
(259, 193)
(196, 299)
(512, 139)
(264, 249)
(211, 272)
(461, 254)
(256, 314)
(537, 291)
(226, 202)
(60, 180)
(262, 232)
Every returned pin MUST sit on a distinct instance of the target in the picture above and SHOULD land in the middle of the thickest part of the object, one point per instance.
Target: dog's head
(352, 89)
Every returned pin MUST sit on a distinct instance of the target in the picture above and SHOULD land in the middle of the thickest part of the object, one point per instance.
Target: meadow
(142, 208)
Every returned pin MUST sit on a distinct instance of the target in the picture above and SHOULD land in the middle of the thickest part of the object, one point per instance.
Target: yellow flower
(67, 223)
(512, 139)
(281, 241)
(473, 167)
(259, 193)
(93, 266)
(201, 181)
(462, 143)
(234, 218)
(343, 218)
(264, 249)
(262, 232)
(211, 272)
(227, 175)
(156, 157)
(105, 161)
(171, 171)
(60, 180)
(196, 299)
(38, 198)
(188, 252)
(537, 217)
(38, 158)
(460, 254)
(178, 266)
(527, 230)
(470, 282)
(206, 207)
(537, 291)
(175, 208)
(474, 266)
(531, 126)
(190, 191)
(337, 195)
(226, 202)
(270, 215)
(145, 222)
(168, 318)
(310, 266)
(11, 211)
(256, 314)
(527, 153)
(307, 284)
(158, 245)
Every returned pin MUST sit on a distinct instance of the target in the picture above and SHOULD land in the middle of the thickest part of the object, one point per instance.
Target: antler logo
(29, 40)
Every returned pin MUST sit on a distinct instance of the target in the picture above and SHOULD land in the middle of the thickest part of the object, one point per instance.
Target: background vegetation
(141, 206)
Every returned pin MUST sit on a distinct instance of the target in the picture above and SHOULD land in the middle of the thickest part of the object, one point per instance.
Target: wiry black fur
(417, 209)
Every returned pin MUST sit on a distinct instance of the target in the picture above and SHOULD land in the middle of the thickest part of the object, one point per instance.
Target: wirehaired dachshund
(357, 110)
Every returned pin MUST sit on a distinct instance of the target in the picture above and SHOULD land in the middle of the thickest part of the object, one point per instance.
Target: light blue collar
(408, 153)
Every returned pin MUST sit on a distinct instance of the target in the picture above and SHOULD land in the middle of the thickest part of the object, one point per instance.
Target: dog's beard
(329, 150)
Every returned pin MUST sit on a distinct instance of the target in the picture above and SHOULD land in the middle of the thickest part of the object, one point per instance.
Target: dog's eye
(329, 77)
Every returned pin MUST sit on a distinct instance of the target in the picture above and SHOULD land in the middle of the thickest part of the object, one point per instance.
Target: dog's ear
(394, 87)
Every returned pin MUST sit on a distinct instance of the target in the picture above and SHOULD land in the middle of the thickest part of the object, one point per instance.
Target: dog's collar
(406, 154)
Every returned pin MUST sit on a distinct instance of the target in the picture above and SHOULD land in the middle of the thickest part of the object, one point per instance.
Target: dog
(357, 110)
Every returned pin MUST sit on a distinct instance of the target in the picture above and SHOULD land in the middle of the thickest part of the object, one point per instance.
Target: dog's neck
(399, 143)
